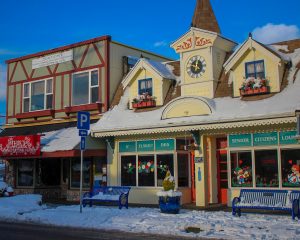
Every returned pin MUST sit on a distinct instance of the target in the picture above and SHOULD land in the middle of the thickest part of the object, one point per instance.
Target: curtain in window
(37, 96)
(80, 93)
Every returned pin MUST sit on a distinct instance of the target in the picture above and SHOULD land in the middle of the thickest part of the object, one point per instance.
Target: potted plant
(169, 200)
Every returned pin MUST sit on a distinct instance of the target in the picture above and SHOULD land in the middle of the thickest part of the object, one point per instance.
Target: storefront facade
(234, 109)
(45, 91)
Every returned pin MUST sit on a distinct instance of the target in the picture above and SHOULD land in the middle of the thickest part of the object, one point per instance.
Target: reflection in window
(255, 69)
(266, 168)
(75, 173)
(128, 170)
(290, 162)
(146, 171)
(85, 87)
(145, 86)
(183, 170)
(25, 173)
(241, 169)
(44, 177)
(164, 163)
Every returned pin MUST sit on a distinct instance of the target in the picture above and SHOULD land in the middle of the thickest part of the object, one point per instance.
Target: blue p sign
(83, 120)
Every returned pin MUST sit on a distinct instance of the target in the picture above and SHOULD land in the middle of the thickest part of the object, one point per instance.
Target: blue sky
(34, 25)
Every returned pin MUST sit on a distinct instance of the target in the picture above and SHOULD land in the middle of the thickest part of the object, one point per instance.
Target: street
(28, 231)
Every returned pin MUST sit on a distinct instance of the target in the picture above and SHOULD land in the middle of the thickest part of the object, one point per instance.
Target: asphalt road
(26, 231)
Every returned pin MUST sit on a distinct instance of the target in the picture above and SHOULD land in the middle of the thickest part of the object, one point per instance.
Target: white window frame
(29, 92)
(90, 85)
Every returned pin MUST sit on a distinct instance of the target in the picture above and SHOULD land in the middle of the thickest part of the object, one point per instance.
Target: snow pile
(14, 207)
(170, 193)
(150, 220)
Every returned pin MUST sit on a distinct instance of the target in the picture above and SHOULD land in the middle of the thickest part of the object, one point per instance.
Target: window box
(250, 92)
(144, 104)
(86, 107)
(36, 114)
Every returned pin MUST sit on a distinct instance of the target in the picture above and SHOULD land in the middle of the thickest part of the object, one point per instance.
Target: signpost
(83, 124)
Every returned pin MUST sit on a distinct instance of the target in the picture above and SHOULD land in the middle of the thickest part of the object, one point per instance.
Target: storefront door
(222, 170)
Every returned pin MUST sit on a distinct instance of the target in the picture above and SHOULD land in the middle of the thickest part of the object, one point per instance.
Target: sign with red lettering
(20, 146)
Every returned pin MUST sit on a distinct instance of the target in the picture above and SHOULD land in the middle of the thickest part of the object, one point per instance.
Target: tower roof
(204, 17)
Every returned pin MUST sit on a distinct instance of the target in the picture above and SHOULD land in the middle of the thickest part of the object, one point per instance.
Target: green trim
(265, 139)
(240, 140)
(127, 147)
(145, 146)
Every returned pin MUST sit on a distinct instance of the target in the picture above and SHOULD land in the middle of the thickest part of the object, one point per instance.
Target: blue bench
(267, 200)
(107, 194)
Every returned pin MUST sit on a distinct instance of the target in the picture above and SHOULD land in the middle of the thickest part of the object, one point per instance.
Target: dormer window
(145, 86)
(255, 69)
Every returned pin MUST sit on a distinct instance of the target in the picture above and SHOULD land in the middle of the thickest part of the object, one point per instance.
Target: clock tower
(202, 53)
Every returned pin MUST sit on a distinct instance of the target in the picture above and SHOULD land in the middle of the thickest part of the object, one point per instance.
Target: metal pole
(80, 194)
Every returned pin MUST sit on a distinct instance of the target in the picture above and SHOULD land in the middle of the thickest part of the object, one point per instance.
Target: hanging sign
(240, 140)
(20, 146)
(52, 59)
(265, 139)
(145, 146)
(127, 146)
(288, 137)
(165, 145)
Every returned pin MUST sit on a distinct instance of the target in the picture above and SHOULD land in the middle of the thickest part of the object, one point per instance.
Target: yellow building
(221, 118)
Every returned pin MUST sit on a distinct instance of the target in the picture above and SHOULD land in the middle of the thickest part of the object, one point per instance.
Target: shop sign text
(288, 137)
(240, 140)
(127, 147)
(265, 139)
(165, 145)
(52, 59)
(20, 146)
(145, 146)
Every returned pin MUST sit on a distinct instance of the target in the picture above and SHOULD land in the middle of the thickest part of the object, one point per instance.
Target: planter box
(144, 104)
(36, 114)
(169, 204)
(85, 107)
(257, 91)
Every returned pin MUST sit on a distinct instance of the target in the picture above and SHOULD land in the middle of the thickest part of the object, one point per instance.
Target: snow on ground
(150, 220)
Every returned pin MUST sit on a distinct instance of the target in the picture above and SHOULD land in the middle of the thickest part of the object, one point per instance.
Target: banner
(20, 146)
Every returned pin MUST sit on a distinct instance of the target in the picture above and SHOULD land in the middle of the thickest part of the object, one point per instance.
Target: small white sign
(52, 59)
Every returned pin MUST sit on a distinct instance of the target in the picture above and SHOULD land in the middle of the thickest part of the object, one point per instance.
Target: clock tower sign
(202, 53)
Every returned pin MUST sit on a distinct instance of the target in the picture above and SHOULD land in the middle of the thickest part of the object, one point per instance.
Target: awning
(59, 140)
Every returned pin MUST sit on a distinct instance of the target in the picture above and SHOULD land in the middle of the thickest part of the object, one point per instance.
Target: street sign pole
(83, 124)
(81, 164)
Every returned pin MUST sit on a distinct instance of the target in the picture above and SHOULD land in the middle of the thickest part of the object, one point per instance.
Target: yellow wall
(158, 88)
(273, 72)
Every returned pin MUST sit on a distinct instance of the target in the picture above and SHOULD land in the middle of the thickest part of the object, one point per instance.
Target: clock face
(196, 66)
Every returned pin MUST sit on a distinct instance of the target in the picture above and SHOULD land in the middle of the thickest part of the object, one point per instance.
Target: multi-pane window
(25, 173)
(145, 170)
(86, 172)
(290, 163)
(145, 86)
(38, 95)
(266, 168)
(85, 87)
(255, 69)
(241, 169)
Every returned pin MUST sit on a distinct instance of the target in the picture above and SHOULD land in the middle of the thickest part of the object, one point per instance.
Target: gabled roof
(204, 17)
(161, 69)
(249, 44)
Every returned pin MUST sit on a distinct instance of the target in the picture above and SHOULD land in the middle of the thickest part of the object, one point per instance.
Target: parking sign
(83, 120)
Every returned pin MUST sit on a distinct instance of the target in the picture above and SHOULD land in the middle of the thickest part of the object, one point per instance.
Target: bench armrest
(235, 201)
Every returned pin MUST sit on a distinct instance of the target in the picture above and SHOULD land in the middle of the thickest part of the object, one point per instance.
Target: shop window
(266, 168)
(164, 163)
(37, 95)
(25, 173)
(290, 162)
(128, 170)
(145, 86)
(241, 169)
(100, 172)
(47, 172)
(146, 171)
(255, 69)
(85, 87)
(183, 170)
(75, 173)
